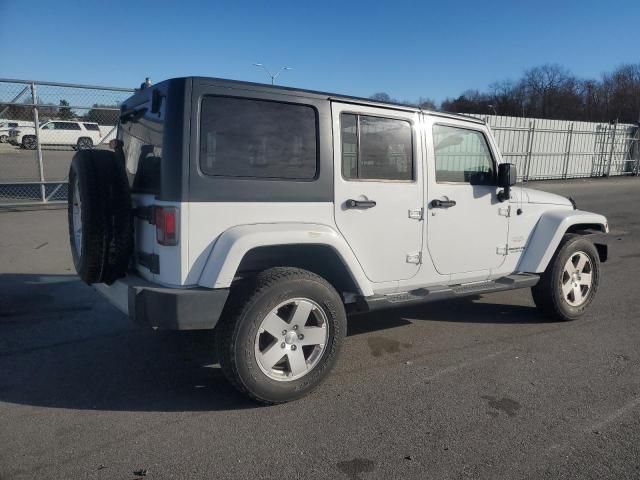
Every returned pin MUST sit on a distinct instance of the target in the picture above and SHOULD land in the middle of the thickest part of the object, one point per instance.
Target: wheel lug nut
(300, 337)
(295, 327)
(284, 332)
(282, 345)
(293, 347)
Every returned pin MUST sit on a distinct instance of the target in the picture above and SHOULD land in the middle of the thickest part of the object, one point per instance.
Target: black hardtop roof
(222, 82)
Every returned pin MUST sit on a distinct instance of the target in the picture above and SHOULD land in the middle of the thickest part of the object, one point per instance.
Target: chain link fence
(34, 161)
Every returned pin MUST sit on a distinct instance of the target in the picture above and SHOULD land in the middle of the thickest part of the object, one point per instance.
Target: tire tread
(244, 293)
(544, 295)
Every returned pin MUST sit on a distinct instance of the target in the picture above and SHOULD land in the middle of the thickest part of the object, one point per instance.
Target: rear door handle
(442, 203)
(360, 203)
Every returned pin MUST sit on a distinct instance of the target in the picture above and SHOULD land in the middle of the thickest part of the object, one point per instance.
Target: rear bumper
(155, 306)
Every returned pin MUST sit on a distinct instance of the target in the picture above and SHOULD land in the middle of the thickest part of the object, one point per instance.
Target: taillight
(166, 220)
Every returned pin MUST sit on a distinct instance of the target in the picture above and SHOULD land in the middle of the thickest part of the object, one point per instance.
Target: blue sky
(407, 49)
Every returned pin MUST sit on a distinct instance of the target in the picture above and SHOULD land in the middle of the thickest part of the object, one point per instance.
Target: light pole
(272, 76)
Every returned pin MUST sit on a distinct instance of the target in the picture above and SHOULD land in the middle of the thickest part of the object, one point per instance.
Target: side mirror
(507, 176)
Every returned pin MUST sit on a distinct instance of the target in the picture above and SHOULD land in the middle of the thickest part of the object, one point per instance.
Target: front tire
(4, 138)
(569, 284)
(280, 334)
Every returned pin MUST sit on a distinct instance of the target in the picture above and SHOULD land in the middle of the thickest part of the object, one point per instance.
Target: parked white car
(7, 125)
(269, 213)
(76, 134)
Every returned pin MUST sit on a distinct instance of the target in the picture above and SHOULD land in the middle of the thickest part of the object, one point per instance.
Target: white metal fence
(34, 162)
(552, 149)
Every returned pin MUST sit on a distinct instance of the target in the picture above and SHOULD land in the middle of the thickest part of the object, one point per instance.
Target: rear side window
(462, 156)
(91, 126)
(66, 126)
(12, 124)
(257, 139)
(376, 148)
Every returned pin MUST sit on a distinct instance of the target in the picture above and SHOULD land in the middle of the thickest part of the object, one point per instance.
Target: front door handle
(360, 203)
(442, 203)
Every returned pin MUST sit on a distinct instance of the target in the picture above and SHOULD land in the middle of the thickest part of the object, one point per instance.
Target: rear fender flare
(229, 249)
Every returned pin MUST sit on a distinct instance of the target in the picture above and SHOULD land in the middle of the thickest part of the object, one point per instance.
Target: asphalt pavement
(478, 388)
(20, 165)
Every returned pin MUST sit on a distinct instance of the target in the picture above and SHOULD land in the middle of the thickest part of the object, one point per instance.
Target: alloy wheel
(291, 339)
(577, 279)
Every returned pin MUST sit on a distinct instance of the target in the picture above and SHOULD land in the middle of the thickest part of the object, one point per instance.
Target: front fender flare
(234, 243)
(548, 233)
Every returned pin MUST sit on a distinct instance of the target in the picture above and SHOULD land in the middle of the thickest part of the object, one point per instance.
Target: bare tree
(551, 91)
(382, 97)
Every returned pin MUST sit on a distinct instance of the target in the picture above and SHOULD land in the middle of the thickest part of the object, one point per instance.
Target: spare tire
(100, 216)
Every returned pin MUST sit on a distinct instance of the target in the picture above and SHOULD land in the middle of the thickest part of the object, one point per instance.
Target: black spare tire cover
(100, 216)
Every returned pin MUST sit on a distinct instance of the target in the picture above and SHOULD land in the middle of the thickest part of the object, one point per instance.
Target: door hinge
(504, 211)
(416, 213)
(414, 257)
(501, 249)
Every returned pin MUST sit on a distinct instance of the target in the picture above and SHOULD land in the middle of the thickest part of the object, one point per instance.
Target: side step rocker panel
(443, 292)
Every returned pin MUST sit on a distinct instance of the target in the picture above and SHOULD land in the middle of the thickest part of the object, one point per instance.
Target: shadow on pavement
(63, 346)
(464, 310)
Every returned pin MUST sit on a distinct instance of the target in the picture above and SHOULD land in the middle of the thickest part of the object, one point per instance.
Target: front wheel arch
(552, 226)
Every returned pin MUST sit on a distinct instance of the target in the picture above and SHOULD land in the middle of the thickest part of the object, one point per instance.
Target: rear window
(66, 126)
(91, 126)
(257, 139)
(142, 146)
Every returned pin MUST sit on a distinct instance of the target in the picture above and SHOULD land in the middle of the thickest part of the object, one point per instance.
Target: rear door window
(257, 139)
(91, 126)
(376, 148)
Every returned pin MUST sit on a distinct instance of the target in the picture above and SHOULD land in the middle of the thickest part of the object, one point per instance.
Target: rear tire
(569, 284)
(29, 142)
(260, 338)
(84, 143)
(4, 138)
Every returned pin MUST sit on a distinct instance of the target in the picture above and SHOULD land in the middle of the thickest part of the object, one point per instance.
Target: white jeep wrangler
(269, 213)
